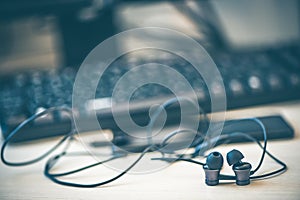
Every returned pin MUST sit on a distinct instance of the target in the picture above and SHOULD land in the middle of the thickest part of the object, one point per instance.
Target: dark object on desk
(276, 128)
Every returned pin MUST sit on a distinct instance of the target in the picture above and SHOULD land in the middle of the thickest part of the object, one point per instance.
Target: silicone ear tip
(214, 160)
(234, 157)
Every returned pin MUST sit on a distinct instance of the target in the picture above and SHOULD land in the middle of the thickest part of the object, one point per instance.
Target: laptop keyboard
(253, 78)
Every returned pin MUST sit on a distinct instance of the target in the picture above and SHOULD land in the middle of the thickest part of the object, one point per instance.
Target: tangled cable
(197, 144)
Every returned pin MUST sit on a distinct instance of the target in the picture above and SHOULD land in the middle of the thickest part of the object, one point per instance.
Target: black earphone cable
(284, 166)
(179, 157)
(83, 168)
(267, 175)
(165, 105)
(232, 177)
(30, 119)
(264, 147)
(54, 159)
(222, 137)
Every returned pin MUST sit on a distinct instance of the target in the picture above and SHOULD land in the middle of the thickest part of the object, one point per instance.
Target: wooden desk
(178, 181)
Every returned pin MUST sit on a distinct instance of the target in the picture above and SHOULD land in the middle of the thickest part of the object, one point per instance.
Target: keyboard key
(217, 89)
(275, 82)
(255, 83)
(295, 79)
(236, 87)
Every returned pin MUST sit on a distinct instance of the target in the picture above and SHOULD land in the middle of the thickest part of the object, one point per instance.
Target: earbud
(241, 169)
(214, 163)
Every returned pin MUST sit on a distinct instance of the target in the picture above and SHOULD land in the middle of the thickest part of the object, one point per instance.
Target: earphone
(212, 168)
(214, 163)
(242, 170)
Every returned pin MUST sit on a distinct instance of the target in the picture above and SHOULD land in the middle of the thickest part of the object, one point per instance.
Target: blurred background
(62, 32)
(255, 44)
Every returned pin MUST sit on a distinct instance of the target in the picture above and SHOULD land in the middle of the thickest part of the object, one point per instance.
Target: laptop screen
(256, 23)
(241, 25)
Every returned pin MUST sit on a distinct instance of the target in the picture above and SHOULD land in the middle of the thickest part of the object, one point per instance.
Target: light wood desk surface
(178, 181)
